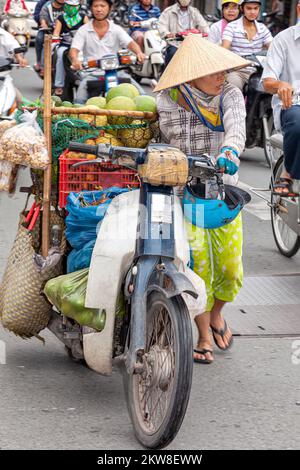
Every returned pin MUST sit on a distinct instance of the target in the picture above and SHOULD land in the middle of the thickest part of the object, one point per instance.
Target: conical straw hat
(197, 57)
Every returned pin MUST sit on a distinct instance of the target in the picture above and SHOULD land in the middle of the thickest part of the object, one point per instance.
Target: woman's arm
(234, 119)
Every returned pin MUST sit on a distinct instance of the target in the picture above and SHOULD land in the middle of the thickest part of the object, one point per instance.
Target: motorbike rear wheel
(157, 398)
(287, 241)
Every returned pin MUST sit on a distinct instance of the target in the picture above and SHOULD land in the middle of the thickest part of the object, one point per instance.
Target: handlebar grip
(83, 148)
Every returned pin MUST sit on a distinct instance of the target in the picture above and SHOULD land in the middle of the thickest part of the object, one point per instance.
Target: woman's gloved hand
(228, 160)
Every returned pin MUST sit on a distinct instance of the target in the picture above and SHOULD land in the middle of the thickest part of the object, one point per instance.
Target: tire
(271, 153)
(157, 71)
(287, 241)
(168, 323)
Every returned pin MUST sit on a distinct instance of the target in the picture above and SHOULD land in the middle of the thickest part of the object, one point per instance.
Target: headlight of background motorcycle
(109, 63)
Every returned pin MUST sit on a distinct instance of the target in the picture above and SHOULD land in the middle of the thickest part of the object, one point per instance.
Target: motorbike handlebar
(198, 165)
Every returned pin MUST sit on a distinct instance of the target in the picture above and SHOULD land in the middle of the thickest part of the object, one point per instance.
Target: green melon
(145, 103)
(98, 101)
(121, 103)
(125, 89)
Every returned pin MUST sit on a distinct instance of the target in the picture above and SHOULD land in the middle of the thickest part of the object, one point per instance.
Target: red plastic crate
(91, 177)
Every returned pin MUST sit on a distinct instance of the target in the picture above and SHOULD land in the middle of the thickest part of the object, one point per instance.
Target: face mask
(184, 3)
(71, 10)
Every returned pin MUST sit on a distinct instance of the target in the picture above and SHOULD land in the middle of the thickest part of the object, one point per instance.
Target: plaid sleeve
(234, 119)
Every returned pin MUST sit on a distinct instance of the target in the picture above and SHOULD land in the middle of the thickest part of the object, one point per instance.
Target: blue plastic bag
(83, 222)
(79, 259)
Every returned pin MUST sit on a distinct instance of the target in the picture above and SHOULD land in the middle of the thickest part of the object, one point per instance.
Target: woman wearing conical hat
(200, 113)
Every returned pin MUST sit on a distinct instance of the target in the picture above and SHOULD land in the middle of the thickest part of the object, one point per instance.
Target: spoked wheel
(157, 398)
(287, 241)
(271, 153)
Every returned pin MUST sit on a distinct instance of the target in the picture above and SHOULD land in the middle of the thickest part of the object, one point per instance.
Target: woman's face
(231, 11)
(211, 84)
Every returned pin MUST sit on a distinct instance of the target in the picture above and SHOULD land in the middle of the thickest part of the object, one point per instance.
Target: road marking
(257, 206)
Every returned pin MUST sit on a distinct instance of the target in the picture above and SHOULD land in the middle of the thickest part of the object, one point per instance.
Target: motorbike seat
(276, 140)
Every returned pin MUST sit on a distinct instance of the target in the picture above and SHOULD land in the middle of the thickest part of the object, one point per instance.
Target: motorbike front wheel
(157, 398)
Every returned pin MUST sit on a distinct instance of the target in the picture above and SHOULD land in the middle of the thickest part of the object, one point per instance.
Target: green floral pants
(216, 256)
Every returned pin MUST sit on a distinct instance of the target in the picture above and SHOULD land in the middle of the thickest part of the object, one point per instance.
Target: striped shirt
(142, 14)
(184, 130)
(240, 44)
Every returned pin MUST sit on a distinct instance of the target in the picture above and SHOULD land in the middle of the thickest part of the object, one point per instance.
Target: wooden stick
(101, 112)
(47, 132)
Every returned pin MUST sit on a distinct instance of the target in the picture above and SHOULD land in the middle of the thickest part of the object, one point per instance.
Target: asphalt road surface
(248, 399)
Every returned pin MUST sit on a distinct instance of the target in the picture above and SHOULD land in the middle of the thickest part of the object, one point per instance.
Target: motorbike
(16, 23)
(275, 22)
(259, 118)
(106, 73)
(8, 94)
(174, 43)
(120, 13)
(152, 342)
(153, 49)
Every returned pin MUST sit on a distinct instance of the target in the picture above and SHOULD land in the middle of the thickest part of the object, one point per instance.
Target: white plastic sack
(195, 306)
(25, 143)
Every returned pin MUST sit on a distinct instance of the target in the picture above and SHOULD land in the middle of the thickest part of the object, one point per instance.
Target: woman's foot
(203, 353)
(222, 334)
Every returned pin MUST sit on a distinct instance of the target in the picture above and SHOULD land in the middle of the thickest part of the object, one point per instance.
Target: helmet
(73, 3)
(230, 1)
(250, 1)
(213, 213)
(184, 3)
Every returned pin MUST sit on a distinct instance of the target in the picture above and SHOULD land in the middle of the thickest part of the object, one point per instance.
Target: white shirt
(87, 41)
(7, 43)
(235, 33)
(283, 64)
(215, 32)
(184, 19)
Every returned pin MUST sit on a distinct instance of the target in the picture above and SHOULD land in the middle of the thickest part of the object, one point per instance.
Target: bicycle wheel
(287, 241)
(158, 397)
(271, 153)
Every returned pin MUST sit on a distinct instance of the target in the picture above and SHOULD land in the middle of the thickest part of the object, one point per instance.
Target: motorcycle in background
(154, 46)
(259, 119)
(275, 22)
(120, 13)
(106, 73)
(8, 93)
(16, 23)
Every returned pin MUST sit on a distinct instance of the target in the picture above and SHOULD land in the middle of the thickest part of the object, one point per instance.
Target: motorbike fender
(148, 279)
(156, 58)
(112, 256)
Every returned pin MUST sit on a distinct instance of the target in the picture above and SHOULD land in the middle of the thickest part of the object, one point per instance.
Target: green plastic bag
(68, 293)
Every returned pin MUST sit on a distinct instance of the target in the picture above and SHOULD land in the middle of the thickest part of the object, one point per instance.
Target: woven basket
(22, 308)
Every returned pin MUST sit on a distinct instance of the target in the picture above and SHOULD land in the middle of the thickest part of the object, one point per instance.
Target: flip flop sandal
(285, 184)
(203, 352)
(221, 333)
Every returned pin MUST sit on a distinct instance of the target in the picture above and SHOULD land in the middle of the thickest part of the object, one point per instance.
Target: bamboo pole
(101, 112)
(47, 132)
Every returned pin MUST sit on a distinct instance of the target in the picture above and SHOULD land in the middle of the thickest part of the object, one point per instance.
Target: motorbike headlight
(109, 63)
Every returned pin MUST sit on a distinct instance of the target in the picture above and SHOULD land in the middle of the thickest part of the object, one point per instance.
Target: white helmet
(73, 3)
(184, 3)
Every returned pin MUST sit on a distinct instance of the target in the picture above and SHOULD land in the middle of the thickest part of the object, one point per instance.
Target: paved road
(248, 399)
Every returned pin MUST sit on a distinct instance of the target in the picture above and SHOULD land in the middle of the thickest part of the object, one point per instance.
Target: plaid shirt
(184, 130)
